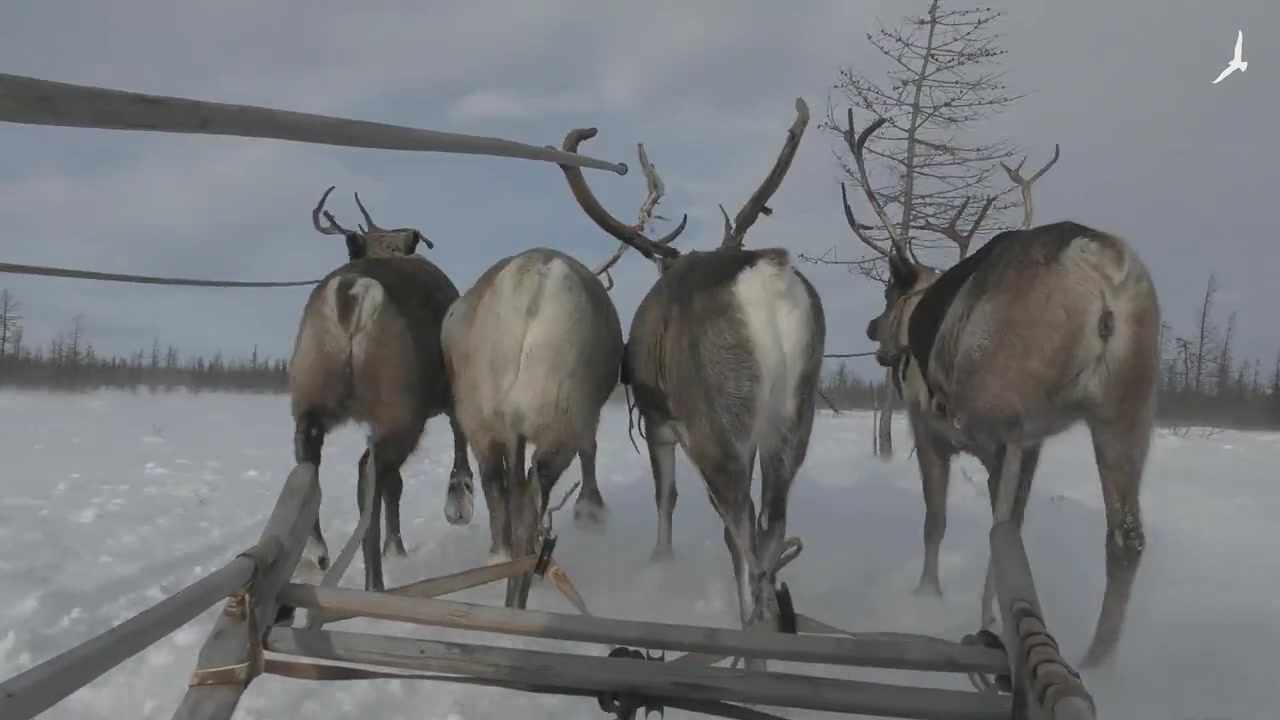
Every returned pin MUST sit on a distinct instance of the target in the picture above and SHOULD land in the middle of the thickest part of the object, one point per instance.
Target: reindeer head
(660, 251)
(908, 277)
(907, 282)
(371, 241)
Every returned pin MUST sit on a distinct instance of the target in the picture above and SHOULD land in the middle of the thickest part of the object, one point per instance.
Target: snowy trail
(112, 501)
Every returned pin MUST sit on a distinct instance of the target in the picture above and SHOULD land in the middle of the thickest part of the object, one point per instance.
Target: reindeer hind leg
(1120, 449)
(308, 442)
(589, 511)
(661, 443)
(459, 503)
(727, 476)
(393, 490)
(388, 455)
(933, 458)
(491, 464)
(522, 519)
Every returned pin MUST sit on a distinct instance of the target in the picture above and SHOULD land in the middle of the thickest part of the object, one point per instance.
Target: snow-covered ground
(111, 501)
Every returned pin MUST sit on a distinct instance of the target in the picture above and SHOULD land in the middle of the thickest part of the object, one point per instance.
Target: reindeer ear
(356, 248)
(902, 271)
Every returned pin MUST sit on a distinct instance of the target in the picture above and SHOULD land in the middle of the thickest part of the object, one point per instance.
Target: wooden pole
(229, 642)
(931, 656)
(641, 678)
(39, 688)
(34, 101)
(1026, 636)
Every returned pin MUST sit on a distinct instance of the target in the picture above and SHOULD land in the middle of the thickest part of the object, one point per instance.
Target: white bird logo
(1236, 62)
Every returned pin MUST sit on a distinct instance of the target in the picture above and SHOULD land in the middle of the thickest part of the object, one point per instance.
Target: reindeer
(723, 357)
(533, 351)
(1039, 329)
(368, 349)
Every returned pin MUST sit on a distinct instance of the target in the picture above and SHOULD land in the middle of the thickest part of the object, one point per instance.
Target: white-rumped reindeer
(723, 357)
(368, 350)
(533, 352)
(1038, 329)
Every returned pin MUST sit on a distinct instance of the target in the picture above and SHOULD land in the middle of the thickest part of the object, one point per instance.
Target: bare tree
(939, 187)
(1185, 358)
(1206, 338)
(1226, 359)
(941, 84)
(10, 316)
(1275, 381)
(74, 353)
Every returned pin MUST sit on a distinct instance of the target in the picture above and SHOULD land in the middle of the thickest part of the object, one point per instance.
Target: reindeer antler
(629, 234)
(951, 232)
(857, 144)
(1025, 185)
(334, 228)
(736, 231)
(859, 229)
(373, 227)
(656, 191)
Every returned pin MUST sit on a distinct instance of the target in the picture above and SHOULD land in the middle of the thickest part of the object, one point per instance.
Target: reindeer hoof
(394, 546)
(1094, 658)
(590, 515)
(459, 506)
(661, 555)
(928, 588)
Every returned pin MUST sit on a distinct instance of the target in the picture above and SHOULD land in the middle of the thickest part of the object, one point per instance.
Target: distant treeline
(70, 362)
(1202, 381)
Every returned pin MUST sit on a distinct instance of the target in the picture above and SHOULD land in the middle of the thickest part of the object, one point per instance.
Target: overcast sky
(1151, 150)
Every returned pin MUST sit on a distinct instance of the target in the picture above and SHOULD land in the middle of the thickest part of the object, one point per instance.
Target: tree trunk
(884, 431)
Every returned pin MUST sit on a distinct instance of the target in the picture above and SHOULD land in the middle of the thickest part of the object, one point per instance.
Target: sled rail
(39, 688)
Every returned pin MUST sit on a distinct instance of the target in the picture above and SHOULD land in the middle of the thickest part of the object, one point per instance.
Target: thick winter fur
(368, 350)
(1037, 330)
(724, 355)
(533, 351)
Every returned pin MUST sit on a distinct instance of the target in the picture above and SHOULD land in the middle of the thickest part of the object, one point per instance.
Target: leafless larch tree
(939, 189)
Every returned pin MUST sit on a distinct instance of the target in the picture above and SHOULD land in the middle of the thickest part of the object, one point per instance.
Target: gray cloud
(1150, 149)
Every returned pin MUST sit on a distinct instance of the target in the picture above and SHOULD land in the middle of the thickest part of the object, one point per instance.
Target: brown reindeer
(723, 356)
(532, 351)
(1039, 329)
(368, 350)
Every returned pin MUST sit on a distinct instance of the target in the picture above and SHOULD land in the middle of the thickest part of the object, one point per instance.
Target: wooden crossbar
(933, 656)
(643, 678)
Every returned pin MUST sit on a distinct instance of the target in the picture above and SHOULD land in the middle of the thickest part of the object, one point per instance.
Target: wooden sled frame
(245, 642)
